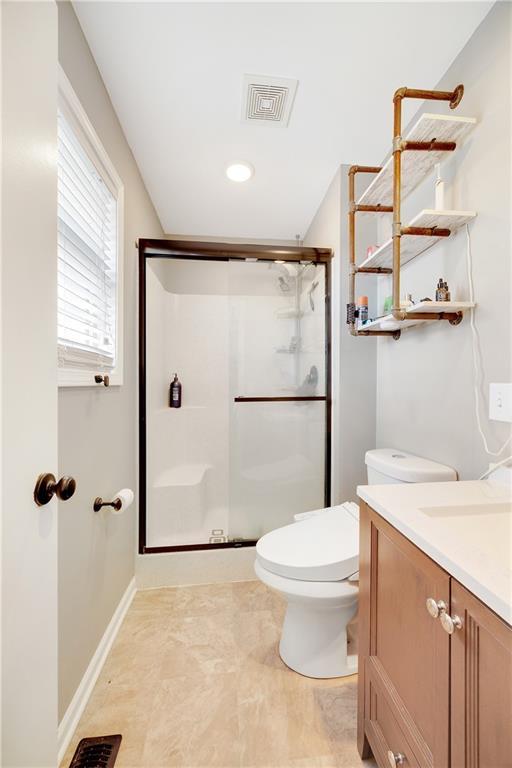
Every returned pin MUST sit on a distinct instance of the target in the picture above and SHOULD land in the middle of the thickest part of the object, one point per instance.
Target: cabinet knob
(436, 608)
(395, 758)
(450, 623)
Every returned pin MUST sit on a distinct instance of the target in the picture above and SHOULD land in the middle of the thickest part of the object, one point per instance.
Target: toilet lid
(324, 547)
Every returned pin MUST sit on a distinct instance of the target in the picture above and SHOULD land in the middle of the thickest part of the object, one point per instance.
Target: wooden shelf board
(417, 164)
(388, 322)
(413, 245)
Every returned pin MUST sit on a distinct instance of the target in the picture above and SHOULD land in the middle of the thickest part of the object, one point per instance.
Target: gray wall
(353, 360)
(425, 401)
(97, 426)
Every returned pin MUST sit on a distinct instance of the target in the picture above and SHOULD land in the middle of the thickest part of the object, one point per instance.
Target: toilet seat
(340, 592)
(324, 547)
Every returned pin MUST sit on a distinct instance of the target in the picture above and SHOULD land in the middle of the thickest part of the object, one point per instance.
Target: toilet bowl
(308, 563)
(313, 564)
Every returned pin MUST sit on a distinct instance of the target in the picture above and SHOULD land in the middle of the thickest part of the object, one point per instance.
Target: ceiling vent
(268, 99)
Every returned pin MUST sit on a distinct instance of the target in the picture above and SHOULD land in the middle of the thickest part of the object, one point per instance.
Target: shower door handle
(278, 399)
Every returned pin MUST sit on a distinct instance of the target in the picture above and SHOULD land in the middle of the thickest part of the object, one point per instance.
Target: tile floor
(194, 679)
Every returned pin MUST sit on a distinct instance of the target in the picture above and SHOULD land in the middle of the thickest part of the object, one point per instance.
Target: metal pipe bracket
(457, 96)
(400, 93)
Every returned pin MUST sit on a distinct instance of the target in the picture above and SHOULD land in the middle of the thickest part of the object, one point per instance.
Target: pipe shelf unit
(412, 158)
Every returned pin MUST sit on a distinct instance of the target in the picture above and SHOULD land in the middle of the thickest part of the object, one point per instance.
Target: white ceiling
(174, 72)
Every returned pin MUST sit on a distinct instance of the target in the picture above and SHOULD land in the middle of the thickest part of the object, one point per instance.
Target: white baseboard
(79, 701)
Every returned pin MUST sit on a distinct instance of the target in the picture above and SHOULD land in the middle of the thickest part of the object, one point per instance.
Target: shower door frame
(213, 251)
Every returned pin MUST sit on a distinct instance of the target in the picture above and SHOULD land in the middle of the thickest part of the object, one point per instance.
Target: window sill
(76, 377)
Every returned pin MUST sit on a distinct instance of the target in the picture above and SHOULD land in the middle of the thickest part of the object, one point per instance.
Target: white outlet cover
(500, 402)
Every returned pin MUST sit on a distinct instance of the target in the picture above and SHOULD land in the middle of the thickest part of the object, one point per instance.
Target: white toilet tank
(389, 465)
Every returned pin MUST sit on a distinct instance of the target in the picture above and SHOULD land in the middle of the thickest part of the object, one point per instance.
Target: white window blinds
(87, 258)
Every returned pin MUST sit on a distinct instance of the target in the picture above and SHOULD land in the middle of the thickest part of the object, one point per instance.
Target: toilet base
(314, 640)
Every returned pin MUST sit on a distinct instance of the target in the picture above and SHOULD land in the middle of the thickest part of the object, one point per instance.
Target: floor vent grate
(96, 752)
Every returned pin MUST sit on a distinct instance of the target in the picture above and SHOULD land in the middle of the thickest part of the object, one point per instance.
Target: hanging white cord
(475, 350)
(495, 467)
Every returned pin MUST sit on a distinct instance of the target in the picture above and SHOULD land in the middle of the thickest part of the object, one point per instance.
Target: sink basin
(468, 510)
(486, 528)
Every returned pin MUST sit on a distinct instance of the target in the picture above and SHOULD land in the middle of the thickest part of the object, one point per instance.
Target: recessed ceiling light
(279, 261)
(239, 172)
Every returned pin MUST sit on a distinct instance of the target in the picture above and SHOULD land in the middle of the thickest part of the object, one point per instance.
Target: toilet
(313, 564)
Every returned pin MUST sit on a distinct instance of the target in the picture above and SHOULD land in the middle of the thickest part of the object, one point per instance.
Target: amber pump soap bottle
(175, 393)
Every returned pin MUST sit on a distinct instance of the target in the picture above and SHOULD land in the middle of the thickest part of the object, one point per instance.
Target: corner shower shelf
(411, 245)
(389, 323)
(288, 351)
(416, 165)
(287, 313)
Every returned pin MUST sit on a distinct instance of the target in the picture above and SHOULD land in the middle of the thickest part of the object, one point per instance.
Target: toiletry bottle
(447, 296)
(175, 393)
(362, 309)
(441, 290)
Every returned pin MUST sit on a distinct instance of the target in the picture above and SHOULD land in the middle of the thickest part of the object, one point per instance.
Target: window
(89, 291)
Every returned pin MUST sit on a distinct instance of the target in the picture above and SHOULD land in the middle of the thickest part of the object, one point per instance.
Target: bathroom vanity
(435, 634)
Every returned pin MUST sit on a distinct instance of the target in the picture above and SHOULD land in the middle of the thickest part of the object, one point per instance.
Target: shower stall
(246, 328)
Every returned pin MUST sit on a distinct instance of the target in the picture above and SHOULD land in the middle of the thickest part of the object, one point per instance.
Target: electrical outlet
(500, 402)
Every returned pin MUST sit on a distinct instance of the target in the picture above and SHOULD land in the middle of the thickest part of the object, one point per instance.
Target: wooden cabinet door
(404, 652)
(481, 685)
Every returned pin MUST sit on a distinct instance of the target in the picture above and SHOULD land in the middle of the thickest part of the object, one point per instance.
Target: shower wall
(217, 469)
(187, 448)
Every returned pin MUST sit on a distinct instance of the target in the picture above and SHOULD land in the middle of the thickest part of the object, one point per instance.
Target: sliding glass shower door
(246, 450)
(278, 394)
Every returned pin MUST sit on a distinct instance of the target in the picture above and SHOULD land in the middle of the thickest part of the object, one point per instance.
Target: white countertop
(466, 527)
